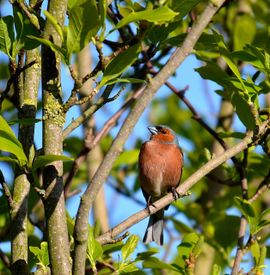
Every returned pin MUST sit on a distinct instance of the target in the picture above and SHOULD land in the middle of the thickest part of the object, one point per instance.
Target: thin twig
(6, 190)
(13, 78)
(90, 111)
(4, 258)
(243, 220)
(264, 185)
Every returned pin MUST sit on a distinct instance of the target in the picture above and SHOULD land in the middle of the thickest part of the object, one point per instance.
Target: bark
(95, 156)
(54, 118)
(28, 89)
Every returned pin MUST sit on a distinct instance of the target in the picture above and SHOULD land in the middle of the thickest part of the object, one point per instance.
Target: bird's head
(163, 134)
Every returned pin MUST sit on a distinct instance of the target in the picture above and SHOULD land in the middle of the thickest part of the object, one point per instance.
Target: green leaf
(187, 246)
(155, 263)
(120, 63)
(157, 16)
(103, 13)
(9, 159)
(244, 31)
(55, 24)
(42, 161)
(183, 7)
(129, 247)
(237, 135)
(24, 28)
(9, 143)
(213, 72)
(243, 109)
(245, 207)
(6, 34)
(54, 48)
(80, 29)
(262, 224)
(147, 254)
(127, 158)
(41, 253)
(125, 80)
(228, 58)
(94, 249)
(255, 250)
(216, 270)
(128, 268)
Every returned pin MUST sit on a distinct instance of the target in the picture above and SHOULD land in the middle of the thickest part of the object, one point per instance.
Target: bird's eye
(162, 131)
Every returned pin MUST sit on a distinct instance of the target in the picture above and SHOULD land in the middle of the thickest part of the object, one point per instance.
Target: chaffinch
(160, 170)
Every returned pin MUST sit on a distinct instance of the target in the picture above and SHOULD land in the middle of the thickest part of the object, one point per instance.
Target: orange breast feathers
(160, 165)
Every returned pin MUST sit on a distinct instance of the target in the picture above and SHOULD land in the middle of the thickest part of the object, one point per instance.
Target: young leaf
(182, 6)
(185, 249)
(245, 207)
(125, 80)
(255, 250)
(243, 109)
(120, 63)
(155, 263)
(157, 16)
(127, 158)
(228, 58)
(41, 253)
(216, 270)
(42, 161)
(103, 13)
(6, 34)
(9, 143)
(94, 249)
(55, 48)
(23, 29)
(55, 24)
(80, 29)
(244, 31)
(129, 247)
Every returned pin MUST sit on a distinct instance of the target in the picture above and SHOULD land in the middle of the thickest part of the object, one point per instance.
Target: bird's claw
(175, 194)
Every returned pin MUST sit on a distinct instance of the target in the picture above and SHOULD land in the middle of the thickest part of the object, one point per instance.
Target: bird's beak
(153, 130)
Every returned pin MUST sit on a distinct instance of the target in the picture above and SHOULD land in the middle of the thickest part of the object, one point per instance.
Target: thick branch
(54, 118)
(81, 225)
(182, 189)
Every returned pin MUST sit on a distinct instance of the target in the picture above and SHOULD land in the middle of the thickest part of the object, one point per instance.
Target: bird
(160, 170)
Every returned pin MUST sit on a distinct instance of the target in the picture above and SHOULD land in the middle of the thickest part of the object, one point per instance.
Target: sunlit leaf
(42, 161)
(244, 31)
(41, 253)
(244, 206)
(6, 34)
(158, 16)
(129, 247)
(80, 29)
(120, 63)
(9, 142)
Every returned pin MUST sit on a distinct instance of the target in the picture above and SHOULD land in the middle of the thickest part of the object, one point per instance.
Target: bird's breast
(160, 167)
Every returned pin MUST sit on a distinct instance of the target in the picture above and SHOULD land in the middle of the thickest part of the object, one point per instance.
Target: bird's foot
(148, 204)
(175, 194)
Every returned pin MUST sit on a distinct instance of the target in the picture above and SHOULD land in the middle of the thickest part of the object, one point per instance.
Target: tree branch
(243, 220)
(182, 189)
(6, 190)
(81, 224)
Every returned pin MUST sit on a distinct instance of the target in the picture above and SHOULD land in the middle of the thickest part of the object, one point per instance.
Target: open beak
(153, 130)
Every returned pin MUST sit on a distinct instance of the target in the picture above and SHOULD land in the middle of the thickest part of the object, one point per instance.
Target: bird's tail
(154, 231)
